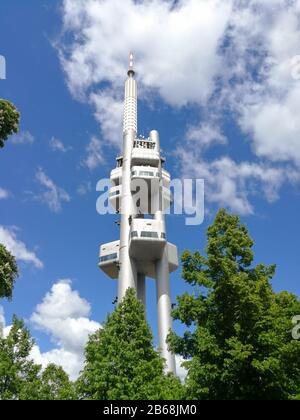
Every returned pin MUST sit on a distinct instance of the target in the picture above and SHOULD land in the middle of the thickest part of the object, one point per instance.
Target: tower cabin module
(140, 193)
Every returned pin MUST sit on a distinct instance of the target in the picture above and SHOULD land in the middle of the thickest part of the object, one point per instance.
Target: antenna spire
(131, 72)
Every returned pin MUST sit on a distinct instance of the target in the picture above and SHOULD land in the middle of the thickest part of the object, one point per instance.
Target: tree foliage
(121, 363)
(21, 378)
(18, 374)
(9, 120)
(54, 384)
(238, 340)
(8, 273)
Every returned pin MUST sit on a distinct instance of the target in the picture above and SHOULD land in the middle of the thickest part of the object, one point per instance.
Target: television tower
(140, 193)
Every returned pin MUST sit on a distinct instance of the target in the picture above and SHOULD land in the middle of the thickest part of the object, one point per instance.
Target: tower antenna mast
(131, 72)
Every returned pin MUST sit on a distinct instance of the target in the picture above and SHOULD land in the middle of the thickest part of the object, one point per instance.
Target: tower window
(146, 234)
(134, 234)
(109, 257)
(146, 173)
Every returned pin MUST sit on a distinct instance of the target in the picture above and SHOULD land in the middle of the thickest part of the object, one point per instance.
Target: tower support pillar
(141, 288)
(127, 274)
(164, 310)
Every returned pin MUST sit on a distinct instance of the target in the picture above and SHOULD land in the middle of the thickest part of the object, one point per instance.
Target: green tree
(238, 340)
(8, 273)
(121, 362)
(55, 385)
(19, 376)
(9, 120)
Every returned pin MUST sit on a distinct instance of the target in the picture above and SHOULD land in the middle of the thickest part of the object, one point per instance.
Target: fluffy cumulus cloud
(263, 55)
(275, 128)
(64, 315)
(8, 237)
(51, 194)
(222, 56)
(158, 32)
(72, 363)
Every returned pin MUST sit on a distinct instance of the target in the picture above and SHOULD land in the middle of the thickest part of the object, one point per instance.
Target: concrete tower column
(164, 310)
(127, 274)
(163, 296)
(141, 288)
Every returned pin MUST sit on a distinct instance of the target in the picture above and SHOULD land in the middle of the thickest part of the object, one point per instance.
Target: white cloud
(52, 195)
(259, 91)
(84, 188)
(4, 194)
(109, 112)
(7, 331)
(232, 184)
(63, 314)
(23, 137)
(9, 239)
(4, 330)
(226, 57)
(163, 36)
(72, 363)
(275, 127)
(206, 134)
(168, 42)
(265, 36)
(94, 156)
(57, 146)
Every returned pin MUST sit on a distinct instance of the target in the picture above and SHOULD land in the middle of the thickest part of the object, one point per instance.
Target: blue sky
(214, 79)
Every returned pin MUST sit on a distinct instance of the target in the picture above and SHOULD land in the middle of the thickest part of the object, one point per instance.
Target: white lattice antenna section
(131, 62)
(130, 108)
